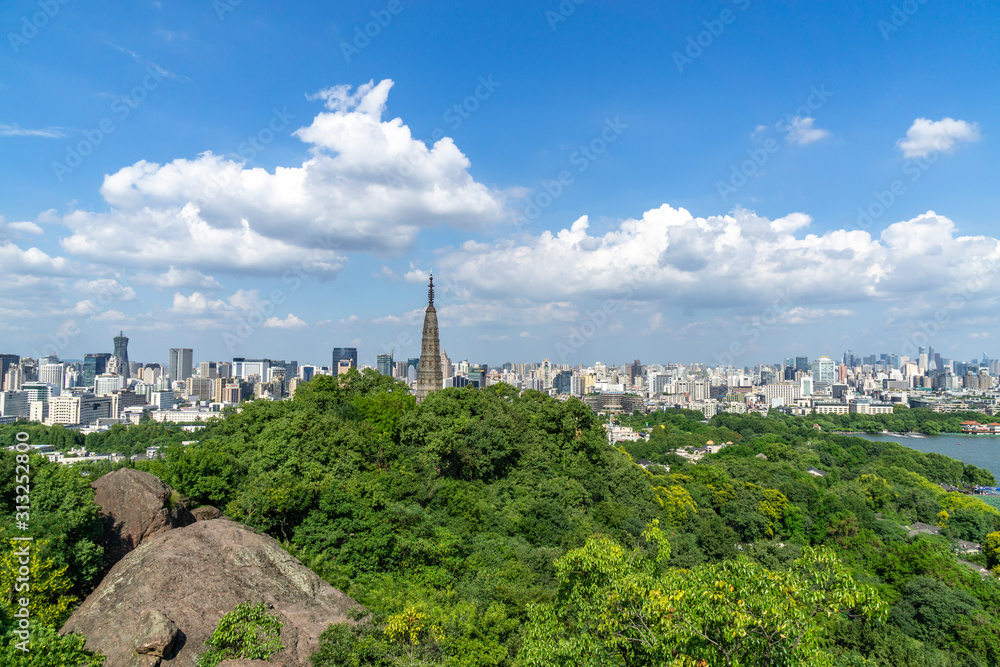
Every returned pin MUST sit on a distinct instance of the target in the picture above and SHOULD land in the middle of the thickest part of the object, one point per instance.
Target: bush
(248, 632)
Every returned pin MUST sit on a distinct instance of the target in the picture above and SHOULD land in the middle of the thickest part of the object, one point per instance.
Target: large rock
(135, 506)
(206, 513)
(188, 579)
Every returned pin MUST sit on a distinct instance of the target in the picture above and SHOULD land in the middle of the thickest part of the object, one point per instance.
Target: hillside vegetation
(496, 528)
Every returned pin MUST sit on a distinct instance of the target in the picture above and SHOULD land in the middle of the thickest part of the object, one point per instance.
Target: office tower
(802, 364)
(348, 354)
(121, 354)
(412, 369)
(824, 370)
(54, 374)
(224, 370)
(477, 375)
(7, 361)
(384, 364)
(429, 377)
(563, 382)
(93, 365)
(180, 363)
(14, 404)
(208, 370)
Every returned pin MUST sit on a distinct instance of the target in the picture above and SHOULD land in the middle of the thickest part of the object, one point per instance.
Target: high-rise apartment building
(180, 363)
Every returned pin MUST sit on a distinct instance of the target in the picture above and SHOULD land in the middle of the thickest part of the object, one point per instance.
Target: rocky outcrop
(159, 604)
(135, 506)
(206, 513)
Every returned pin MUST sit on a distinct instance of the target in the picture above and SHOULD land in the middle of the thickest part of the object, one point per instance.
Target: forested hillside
(492, 528)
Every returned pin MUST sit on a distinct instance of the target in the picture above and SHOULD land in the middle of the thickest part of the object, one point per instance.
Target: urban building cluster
(107, 388)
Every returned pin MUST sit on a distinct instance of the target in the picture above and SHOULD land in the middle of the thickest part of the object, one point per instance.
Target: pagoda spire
(429, 373)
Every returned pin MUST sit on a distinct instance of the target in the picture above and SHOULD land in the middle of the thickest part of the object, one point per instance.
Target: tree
(991, 547)
(616, 607)
(248, 632)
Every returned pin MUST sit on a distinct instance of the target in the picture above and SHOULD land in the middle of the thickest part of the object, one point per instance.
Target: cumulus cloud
(926, 136)
(175, 278)
(800, 131)
(368, 185)
(105, 289)
(670, 257)
(290, 322)
(17, 230)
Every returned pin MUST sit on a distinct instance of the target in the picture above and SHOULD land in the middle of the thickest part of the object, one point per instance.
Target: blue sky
(618, 180)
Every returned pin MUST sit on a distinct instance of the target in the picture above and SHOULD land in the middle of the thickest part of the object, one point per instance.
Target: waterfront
(979, 450)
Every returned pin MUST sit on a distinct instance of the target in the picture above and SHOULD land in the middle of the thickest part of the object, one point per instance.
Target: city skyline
(731, 179)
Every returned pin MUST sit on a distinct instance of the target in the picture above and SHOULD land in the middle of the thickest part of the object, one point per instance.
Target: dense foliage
(904, 420)
(248, 632)
(497, 528)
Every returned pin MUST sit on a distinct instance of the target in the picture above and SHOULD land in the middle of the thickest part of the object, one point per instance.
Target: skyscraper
(180, 363)
(347, 354)
(429, 377)
(121, 354)
(93, 365)
(385, 364)
(6, 361)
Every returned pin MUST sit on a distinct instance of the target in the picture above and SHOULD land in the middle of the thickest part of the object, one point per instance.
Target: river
(982, 451)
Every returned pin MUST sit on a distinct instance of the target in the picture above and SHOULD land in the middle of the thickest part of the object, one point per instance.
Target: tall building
(208, 370)
(412, 369)
(93, 365)
(563, 382)
(802, 364)
(824, 370)
(477, 375)
(429, 377)
(121, 354)
(6, 362)
(54, 374)
(349, 354)
(180, 363)
(447, 369)
(385, 364)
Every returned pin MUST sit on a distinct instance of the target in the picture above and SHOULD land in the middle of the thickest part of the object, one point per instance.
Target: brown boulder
(135, 506)
(191, 577)
(206, 513)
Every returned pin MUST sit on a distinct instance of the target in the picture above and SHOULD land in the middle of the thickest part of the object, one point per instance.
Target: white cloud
(17, 230)
(669, 257)
(367, 186)
(290, 322)
(801, 131)
(175, 278)
(802, 315)
(926, 136)
(416, 276)
(105, 289)
(16, 130)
